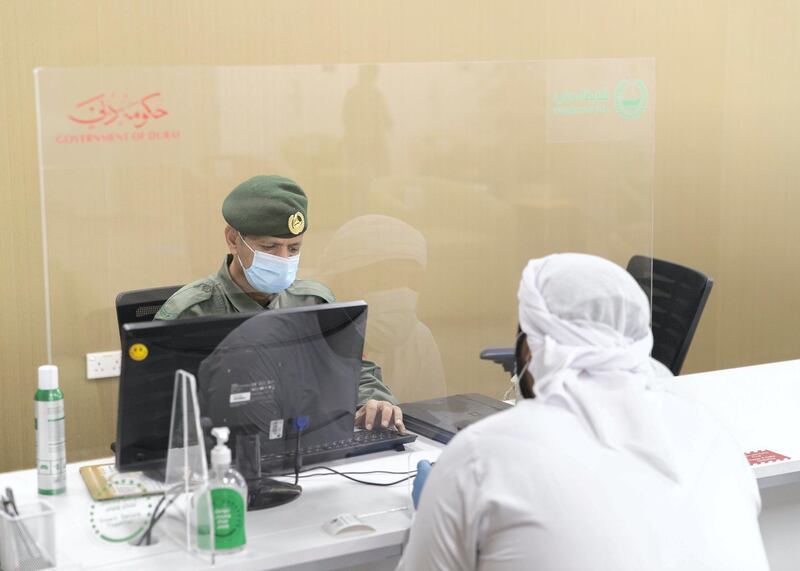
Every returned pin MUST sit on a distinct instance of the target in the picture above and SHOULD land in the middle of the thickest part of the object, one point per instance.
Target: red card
(764, 457)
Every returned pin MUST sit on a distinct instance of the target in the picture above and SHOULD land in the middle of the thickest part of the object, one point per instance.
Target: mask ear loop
(238, 258)
(513, 392)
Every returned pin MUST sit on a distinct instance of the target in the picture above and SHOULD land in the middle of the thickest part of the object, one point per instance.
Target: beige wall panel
(691, 40)
(759, 201)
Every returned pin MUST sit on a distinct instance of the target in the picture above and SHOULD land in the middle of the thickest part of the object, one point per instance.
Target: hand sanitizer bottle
(228, 491)
(51, 455)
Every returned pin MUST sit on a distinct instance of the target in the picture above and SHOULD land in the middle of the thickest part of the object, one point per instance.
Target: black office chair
(678, 299)
(142, 304)
(679, 295)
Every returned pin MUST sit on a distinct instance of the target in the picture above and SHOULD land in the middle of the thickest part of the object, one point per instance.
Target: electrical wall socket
(103, 365)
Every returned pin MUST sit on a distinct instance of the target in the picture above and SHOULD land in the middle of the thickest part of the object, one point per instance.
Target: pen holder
(28, 542)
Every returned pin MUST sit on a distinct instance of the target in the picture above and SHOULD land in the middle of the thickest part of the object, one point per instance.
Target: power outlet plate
(103, 365)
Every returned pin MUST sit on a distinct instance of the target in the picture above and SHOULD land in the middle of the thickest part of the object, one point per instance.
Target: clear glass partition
(429, 185)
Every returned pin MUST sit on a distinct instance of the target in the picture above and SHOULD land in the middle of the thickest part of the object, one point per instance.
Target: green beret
(267, 206)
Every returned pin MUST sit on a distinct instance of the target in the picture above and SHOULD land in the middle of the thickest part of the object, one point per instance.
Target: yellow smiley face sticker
(297, 223)
(138, 352)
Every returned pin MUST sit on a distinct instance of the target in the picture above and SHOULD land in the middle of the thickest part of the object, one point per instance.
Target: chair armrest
(503, 356)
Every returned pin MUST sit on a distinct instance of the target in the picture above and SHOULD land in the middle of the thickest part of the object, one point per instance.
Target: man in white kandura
(599, 467)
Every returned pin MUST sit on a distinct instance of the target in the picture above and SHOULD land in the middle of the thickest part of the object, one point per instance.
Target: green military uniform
(218, 294)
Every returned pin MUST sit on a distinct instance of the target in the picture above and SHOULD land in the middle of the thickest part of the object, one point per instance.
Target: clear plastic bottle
(51, 453)
(228, 491)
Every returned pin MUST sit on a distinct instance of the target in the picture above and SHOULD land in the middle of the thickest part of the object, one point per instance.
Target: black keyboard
(362, 442)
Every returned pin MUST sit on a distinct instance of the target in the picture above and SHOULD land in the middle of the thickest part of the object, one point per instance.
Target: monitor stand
(157, 474)
(265, 493)
(262, 492)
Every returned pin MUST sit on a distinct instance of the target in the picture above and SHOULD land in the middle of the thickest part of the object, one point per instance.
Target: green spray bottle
(51, 453)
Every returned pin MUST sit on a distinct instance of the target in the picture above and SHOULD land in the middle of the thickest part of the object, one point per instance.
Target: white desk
(759, 404)
(761, 407)
(285, 537)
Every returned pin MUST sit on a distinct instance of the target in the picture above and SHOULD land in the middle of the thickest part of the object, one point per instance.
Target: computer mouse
(268, 493)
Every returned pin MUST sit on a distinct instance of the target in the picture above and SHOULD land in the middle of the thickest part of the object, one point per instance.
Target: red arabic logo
(104, 110)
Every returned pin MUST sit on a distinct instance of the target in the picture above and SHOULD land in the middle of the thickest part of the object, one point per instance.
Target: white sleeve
(444, 533)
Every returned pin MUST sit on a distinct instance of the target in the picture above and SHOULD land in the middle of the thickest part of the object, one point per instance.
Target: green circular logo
(630, 98)
(124, 519)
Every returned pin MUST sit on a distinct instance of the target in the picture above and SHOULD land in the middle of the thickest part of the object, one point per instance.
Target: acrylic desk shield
(186, 456)
(187, 471)
(429, 186)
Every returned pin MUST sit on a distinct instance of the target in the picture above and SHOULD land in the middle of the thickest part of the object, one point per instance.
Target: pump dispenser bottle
(228, 491)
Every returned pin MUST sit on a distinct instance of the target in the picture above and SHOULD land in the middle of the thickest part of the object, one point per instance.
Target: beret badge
(297, 223)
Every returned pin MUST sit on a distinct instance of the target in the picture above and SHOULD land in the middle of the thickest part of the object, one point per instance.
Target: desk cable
(156, 515)
(349, 475)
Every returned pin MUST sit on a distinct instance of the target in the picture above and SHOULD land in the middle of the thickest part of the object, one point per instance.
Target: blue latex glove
(423, 469)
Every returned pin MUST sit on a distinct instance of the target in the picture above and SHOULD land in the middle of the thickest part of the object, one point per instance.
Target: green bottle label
(229, 516)
(43, 395)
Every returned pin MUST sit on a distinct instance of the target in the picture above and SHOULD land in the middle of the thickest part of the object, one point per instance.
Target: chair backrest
(142, 304)
(677, 299)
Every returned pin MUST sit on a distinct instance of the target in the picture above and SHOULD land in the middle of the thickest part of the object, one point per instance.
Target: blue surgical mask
(268, 273)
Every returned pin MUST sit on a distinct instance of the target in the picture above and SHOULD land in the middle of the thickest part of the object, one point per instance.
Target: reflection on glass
(381, 260)
(367, 123)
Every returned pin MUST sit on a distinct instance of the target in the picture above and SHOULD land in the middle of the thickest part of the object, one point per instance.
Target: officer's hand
(390, 415)
(423, 469)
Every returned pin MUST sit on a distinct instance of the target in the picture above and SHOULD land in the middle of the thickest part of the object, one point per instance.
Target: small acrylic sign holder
(189, 519)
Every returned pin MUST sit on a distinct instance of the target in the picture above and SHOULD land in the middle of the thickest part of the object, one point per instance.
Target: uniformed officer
(266, 219)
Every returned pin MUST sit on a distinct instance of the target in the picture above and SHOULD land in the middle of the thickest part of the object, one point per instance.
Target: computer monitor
(256, 373)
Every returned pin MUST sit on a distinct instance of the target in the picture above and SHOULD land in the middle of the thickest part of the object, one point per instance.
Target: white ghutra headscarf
(587, 323)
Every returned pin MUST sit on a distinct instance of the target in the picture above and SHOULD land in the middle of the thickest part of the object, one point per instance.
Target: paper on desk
(757, 457)
(105, 483)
